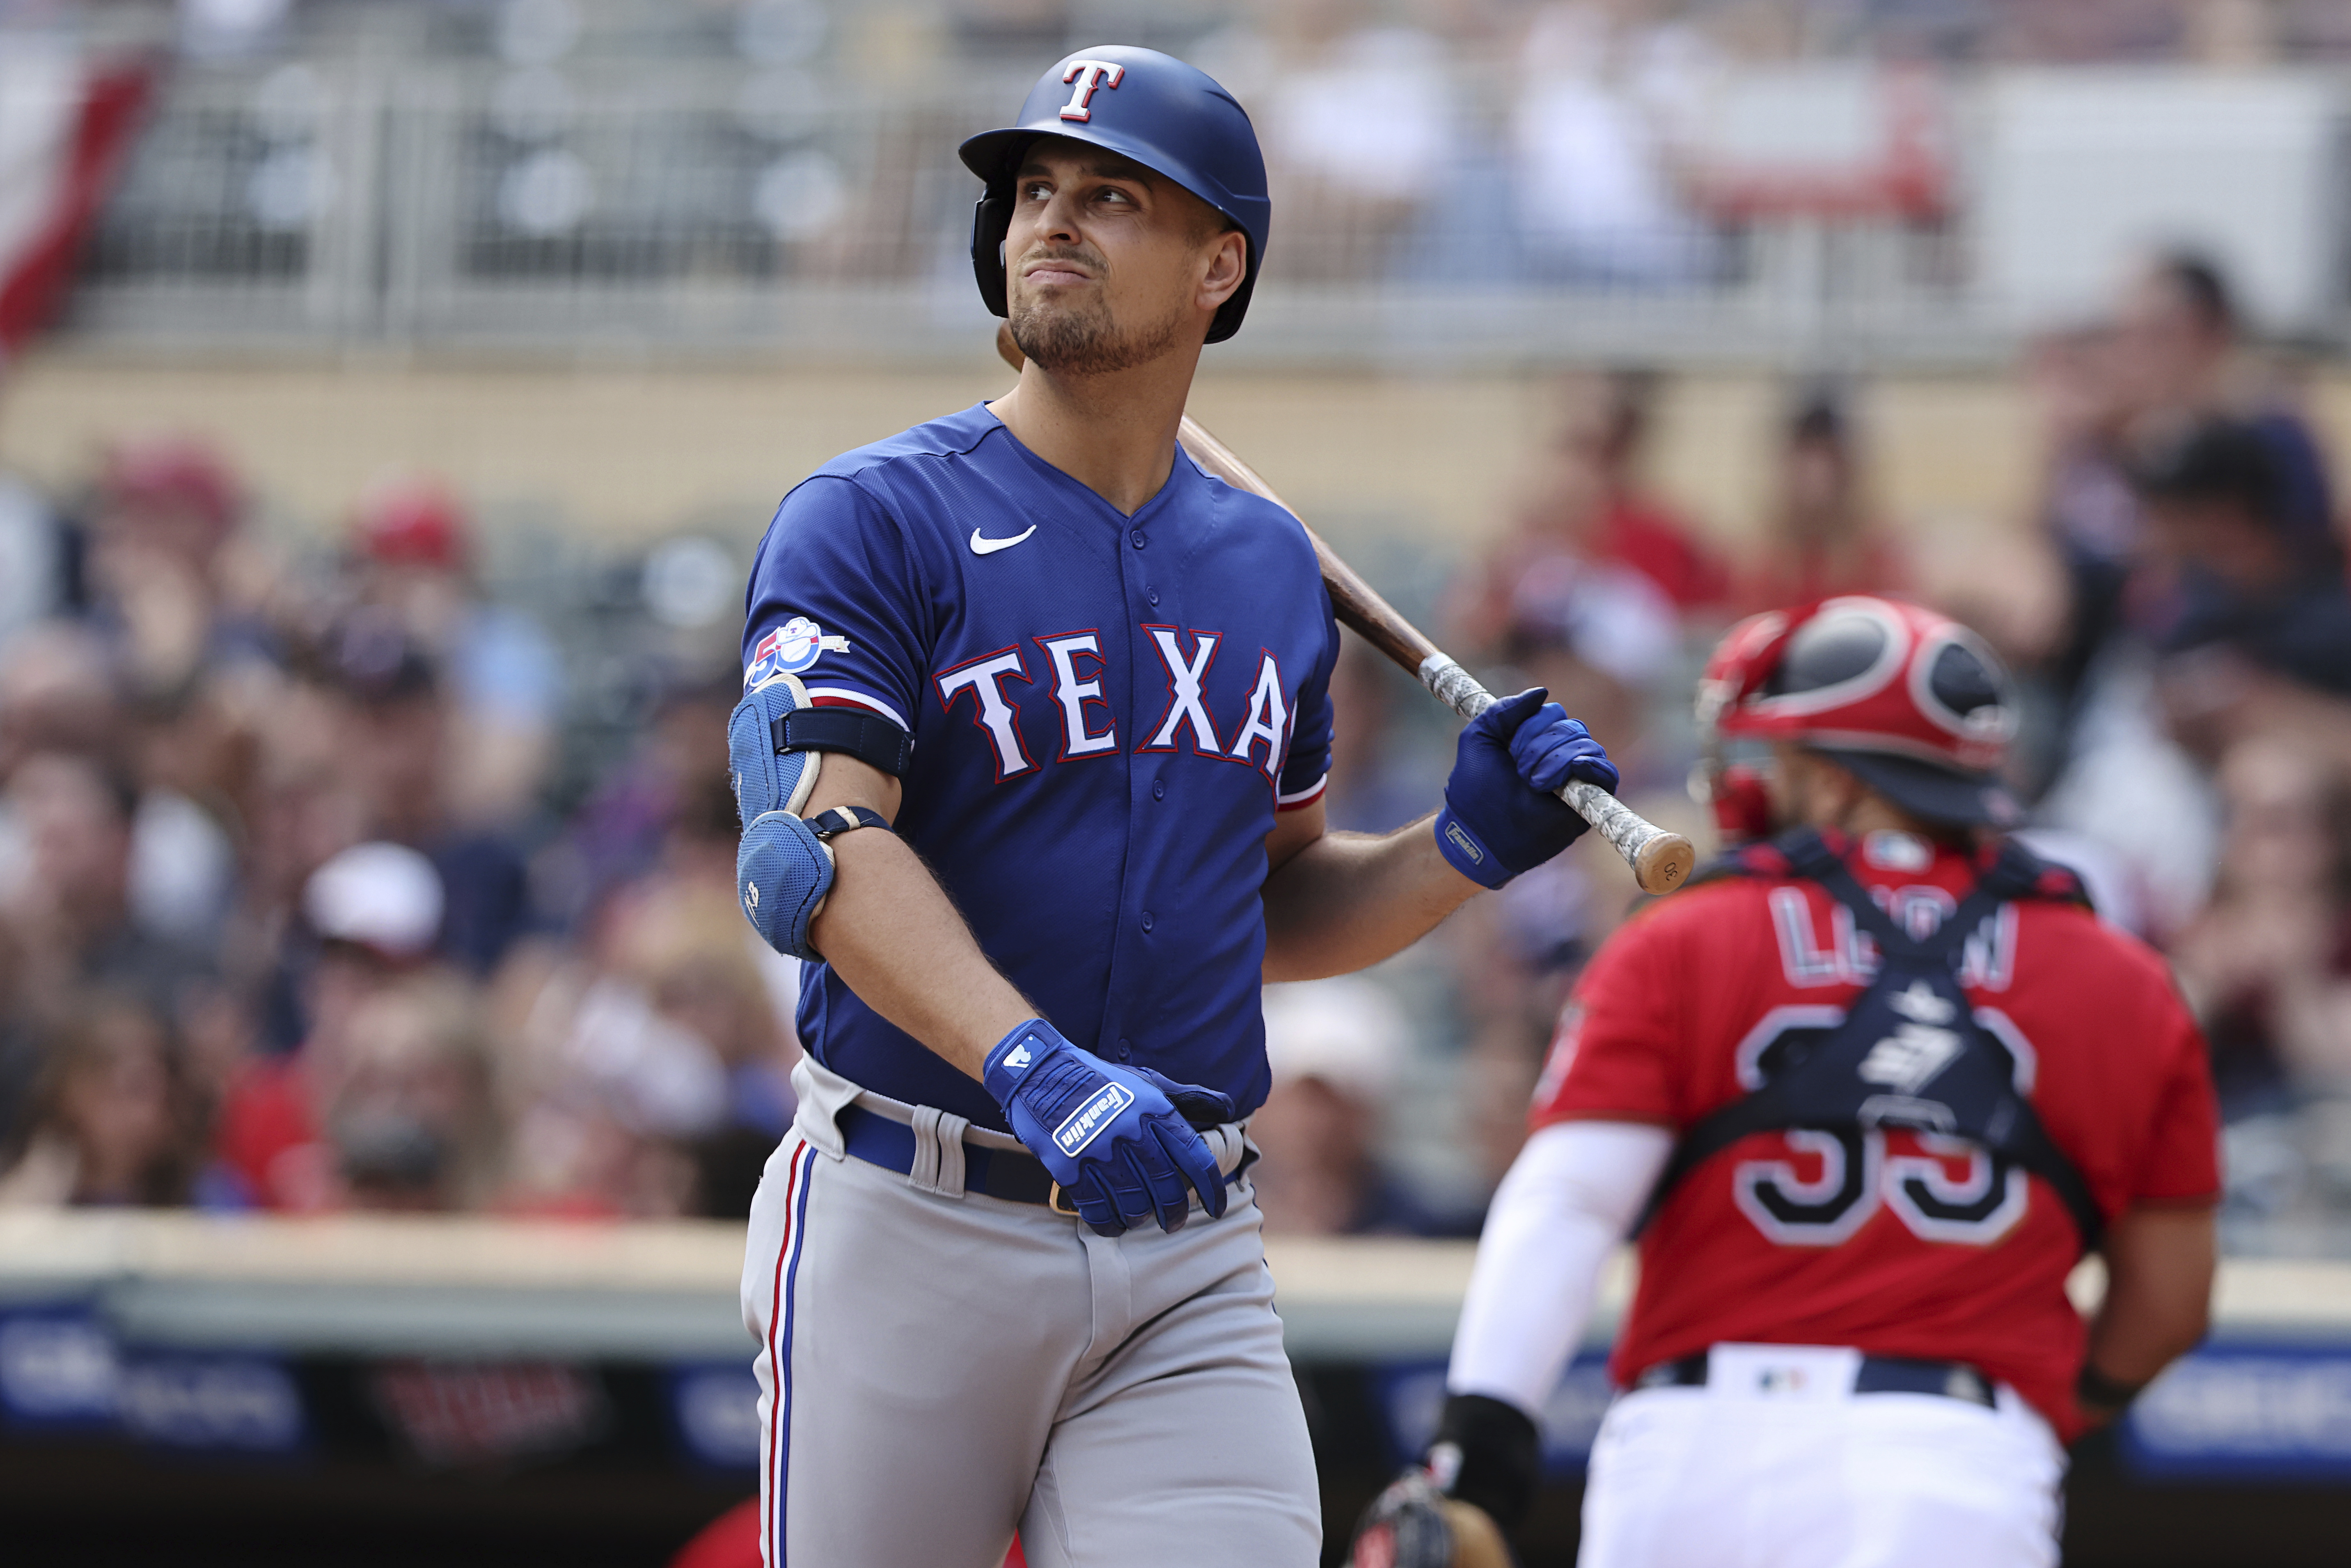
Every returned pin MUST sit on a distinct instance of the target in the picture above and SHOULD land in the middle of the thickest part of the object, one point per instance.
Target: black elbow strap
(868, 736)
(1499, 1457)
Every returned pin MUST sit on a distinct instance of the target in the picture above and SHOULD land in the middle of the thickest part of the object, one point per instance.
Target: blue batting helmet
(1169, 117)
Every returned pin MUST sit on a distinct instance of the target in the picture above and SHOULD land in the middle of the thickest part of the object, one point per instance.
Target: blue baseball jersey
(1108, 713)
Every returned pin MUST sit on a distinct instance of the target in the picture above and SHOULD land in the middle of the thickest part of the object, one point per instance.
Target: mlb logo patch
(790, 648)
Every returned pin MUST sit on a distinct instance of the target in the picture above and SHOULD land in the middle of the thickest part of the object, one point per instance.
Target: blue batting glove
(1502, 813)
(1111, 1137)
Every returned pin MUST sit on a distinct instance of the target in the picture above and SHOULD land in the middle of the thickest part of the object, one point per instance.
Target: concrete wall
(632, 454)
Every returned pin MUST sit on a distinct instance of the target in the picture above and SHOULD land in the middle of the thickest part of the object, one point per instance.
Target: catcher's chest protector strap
(1909, 1052)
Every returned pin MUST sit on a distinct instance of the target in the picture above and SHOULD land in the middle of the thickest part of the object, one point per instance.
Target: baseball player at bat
(1031, 763)
(1866, 1091)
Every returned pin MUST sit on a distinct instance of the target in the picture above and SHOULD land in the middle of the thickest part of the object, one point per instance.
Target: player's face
(1807, 791)
(1109, 266)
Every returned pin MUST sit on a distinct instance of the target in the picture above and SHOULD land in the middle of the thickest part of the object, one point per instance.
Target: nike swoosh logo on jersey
(982, 545)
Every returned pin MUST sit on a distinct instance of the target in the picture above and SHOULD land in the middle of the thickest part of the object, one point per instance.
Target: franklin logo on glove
(1120, 1141)
(1087, 1121)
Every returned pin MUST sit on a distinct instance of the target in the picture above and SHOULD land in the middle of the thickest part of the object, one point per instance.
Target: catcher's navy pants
(939, 1368)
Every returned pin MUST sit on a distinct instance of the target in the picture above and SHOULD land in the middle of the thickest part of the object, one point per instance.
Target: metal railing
(725, 207)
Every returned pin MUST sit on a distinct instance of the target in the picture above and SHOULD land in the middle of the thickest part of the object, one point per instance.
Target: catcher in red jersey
(1866, 1091)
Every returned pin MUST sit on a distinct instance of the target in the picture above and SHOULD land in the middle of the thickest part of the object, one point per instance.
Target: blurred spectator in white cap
(375, 911)
(385, 898)
(1336, 1049)
(401, 751)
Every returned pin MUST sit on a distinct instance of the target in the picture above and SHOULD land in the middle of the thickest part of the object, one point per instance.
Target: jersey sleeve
(1614, 1054)
(2182, 1159)
(837, 599)
(1306, 769)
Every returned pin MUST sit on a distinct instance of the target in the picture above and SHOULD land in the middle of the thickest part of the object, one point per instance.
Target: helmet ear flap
(991, 220)
(1743, 805)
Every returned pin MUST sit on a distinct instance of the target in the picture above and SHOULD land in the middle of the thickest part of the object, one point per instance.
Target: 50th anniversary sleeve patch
(790, 648)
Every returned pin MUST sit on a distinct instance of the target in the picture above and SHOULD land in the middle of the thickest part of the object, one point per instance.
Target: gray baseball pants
(938, 1368)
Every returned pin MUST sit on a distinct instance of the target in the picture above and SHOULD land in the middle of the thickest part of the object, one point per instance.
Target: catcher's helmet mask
(1911, 702)
(1171, 117)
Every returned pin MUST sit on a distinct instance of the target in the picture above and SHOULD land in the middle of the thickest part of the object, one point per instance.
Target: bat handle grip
(1661, 861)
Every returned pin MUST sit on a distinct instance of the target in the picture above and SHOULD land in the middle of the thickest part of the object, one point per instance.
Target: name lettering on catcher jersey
(1848, 957)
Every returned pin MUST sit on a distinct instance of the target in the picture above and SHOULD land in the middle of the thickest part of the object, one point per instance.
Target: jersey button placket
(1138, 537)
(1151, 596)
(1147, 922)
(1159, 789)
(1125, 1051)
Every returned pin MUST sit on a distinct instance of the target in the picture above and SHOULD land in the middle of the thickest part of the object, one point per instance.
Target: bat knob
(1664, 864)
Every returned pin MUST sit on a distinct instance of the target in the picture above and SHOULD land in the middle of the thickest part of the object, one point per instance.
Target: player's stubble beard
(1085, 339)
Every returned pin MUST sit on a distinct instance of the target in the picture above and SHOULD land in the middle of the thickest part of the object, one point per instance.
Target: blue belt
(1878, 1374)
(1016, 1176)
(999, 1173)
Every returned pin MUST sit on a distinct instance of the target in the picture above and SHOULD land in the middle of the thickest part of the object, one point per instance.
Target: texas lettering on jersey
(1109, 714)
(1069, 670)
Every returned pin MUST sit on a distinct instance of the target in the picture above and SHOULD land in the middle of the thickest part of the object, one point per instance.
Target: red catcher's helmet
(1915, 704)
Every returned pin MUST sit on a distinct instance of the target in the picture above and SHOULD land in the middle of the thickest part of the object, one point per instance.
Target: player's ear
(1226, 264)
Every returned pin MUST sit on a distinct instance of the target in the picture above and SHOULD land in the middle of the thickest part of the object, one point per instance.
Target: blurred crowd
(310, 897)
(301, 909)
(286, 921)
(2176, 612)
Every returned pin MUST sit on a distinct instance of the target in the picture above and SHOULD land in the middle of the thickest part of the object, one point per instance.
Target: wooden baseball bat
(1661, 861)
